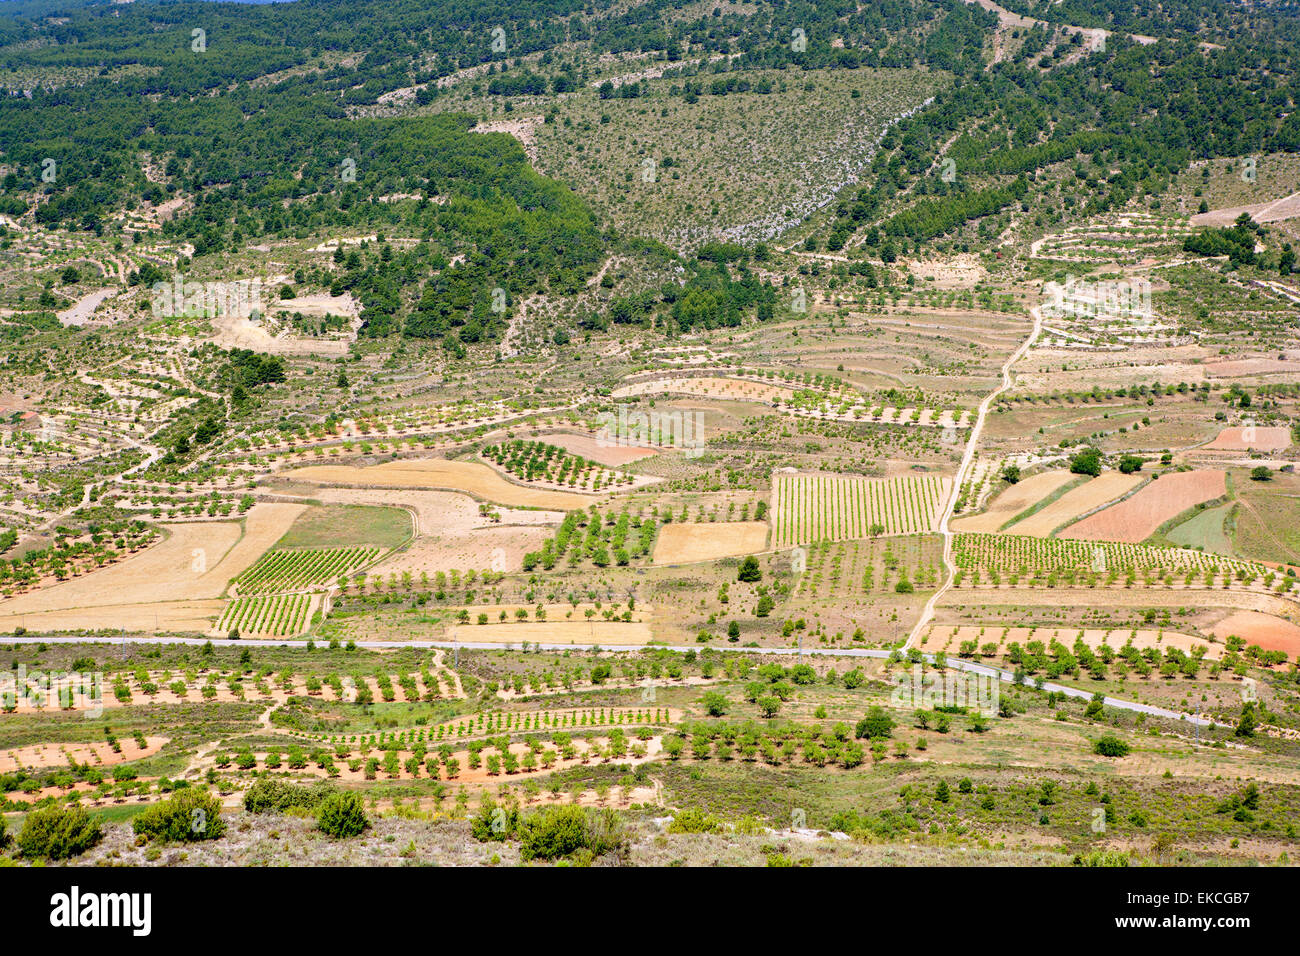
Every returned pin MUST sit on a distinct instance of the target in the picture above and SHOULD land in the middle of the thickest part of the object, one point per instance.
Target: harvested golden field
(171, 616)
(1138, 517)
(175, 584)
(468, 476)
(682, 543)
(1075, 502)
(1015, 499)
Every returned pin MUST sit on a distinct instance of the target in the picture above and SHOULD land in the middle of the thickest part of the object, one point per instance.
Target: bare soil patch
(1015, 499)
(1269, 632)
(476, 479)
(1076, 502)
(1137, 518)
(681, 543)
(607, 454)
(1251, 437)
(99, 754)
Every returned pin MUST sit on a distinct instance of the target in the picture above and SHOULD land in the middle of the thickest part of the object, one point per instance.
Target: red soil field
(1263, 439)
(1269, 632)
(1136, 518)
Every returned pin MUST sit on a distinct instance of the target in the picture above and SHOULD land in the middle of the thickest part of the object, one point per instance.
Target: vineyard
(810, 508)
(539, 461)
(287, 570)
(280, 615)
(991, 558)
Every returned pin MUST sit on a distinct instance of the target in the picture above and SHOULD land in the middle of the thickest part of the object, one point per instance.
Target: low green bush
(190, 815)
(58, 833)
(279, 796)
(342, 815)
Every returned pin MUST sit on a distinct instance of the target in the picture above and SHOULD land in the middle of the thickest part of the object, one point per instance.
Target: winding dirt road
(927, 613)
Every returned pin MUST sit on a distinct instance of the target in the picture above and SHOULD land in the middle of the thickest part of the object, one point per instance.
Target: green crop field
(329, 526)
(279, 615)
(285, 570)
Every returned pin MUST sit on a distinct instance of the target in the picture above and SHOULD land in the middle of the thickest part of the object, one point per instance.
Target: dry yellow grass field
(176, 584)
(1075, 503)
(682, 543)
(468, 476)
(1015, 499)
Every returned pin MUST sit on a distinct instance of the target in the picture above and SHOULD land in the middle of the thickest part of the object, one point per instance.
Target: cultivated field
(437, 473)
(1075, 502)
(177, 580)
(1255, 627)
(281, 615)
(1014, 500)
(810, 508)
(301, 568)
(1258, 438)
(606, 452)
(680, 543)
(1138, 516)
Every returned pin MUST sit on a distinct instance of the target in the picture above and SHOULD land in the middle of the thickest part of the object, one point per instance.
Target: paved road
(927, 612)
(985, 670)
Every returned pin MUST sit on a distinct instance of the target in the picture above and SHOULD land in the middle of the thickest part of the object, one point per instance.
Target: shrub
(191, 814)
(1101, 858)
(1086, 462)
(694, 821)
(749, 570)
(277, 796)
(876, 723)
(493, 822)
(563, 831)
(342, 815)
(58, 833)
(4, 837)
(1110, 746)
